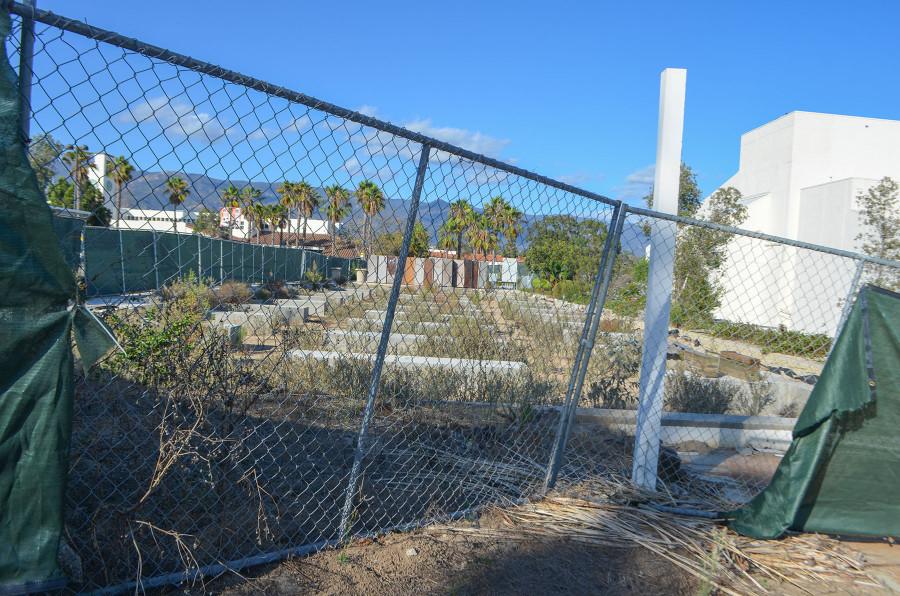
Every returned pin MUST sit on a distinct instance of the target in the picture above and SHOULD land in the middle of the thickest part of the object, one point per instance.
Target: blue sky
(569, 89)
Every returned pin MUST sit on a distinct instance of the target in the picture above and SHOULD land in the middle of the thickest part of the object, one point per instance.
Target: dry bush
(230, 292)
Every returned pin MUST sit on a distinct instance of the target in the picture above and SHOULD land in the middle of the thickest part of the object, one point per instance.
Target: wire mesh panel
(332, 326)
(477, 362)
(750, 327)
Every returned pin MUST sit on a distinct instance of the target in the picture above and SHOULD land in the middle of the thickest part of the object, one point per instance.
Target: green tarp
(122, 261)
(841, 474)
(37, 317)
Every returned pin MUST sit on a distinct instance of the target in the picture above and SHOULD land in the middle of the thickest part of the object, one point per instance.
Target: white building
(242, 227)
(800, 176)
(159, 220)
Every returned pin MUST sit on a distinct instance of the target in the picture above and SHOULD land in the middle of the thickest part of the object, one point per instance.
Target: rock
(411, 552)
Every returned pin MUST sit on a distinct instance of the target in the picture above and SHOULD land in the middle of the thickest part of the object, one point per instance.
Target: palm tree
(495, 215)
(79, 161)
(338, 209)
(371, 199)
(512, 227)
(482, 236)
(256, 215)
(178, 191)
(446, 239)
(459, 219)
(230, 201)
(277, 216)
(307, 200)
(121, 172)
(247, 197)
(288, 198)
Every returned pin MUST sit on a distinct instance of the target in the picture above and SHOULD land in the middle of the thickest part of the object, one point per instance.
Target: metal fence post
(26, 71)
(155, 260)
(659, 279)
(122, 260)
(361, 441)
(585, 344)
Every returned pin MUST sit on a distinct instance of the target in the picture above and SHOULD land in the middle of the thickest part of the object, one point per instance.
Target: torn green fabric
(36, 361)
(841, 474)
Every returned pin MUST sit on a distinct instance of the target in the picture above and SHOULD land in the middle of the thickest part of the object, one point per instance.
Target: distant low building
(234, 221)
(159, 220)
(800, 176)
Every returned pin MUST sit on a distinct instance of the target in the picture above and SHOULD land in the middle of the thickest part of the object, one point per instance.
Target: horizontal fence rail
(334, 326)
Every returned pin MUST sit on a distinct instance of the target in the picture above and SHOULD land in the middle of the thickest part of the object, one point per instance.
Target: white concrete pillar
(659, 284)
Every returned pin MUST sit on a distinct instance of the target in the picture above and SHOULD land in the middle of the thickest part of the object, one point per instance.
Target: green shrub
(263, 294)
(781, 340)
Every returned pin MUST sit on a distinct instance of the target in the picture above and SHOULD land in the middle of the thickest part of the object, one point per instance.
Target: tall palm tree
(256, 215)
(460, 217)
(248, 196)
(178, 191)
(121, 173)
(482, 236)
(446, 239)
(307, 200)
(371, 199)
(495, 216)
(288, 198)
(277, 215)
(231, 201)
(79, 161)
(512, 227)
(338, 209)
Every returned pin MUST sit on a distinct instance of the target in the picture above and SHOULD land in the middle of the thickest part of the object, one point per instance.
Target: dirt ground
(432, 561)
(437, 561)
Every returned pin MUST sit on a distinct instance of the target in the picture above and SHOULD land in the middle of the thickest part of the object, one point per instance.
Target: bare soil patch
(434, 561)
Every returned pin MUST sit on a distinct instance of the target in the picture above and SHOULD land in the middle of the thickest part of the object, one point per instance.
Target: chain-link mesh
(751, 323)
(245, 244)
(228, 429)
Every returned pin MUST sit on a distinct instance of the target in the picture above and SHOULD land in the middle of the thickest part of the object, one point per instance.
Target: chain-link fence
(482, 339)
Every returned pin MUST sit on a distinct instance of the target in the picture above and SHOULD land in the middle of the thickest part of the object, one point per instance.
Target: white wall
(151, 219)
(800, 176)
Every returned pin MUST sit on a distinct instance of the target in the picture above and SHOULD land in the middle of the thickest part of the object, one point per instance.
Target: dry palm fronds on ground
(719, 558)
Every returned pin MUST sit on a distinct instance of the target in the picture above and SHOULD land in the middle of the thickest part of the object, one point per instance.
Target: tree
(371, 199)
(79, 161)
(277, 216)
(256, 215)
(92, 201)
(482, 236)
(338, 209)
(62, 194)
(287, 196)
(563, 247)
(460, 217)
(511, 228)
(247, 197)
(446, 239)
(43, 151)
(495, 217)
(689, 197)
(178, 192)
(207, 223)
(390, 243)
(121, 173)
(880, 215)
(231, 201)
(307, 199)
(700, 253)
